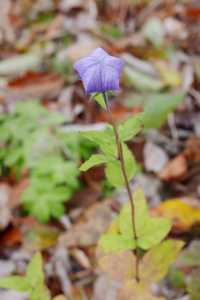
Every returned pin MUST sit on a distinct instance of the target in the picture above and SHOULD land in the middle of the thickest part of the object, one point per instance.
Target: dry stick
(122, 164)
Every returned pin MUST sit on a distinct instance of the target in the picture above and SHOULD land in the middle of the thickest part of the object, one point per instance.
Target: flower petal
(110, 79)
(83, 64)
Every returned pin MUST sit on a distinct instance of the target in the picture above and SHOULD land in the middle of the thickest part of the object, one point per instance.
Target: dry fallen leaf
(34, 85)
(192, 149)
(175, 169)
(60, 297)
(183, 214)
(119, 266)
(87, 231)
(5, 210)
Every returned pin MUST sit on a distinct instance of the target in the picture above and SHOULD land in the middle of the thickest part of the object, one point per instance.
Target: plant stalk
(123, 169)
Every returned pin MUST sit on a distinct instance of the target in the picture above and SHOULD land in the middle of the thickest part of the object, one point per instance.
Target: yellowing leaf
(41, 237)
(155, 263)
(114, 227)
(169, 75)
(153, 266)
(181, 213)
(150, 231)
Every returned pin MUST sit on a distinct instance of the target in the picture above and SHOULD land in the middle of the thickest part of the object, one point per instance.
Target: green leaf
(116, 242)
(153, 232)
(157, 110)
(150, 230)
(141, 214)
(40, 293)
(105, 139)
(113, 168)
(130, 127)
(35, 274)
(156, 262)
(94, 160)
(17, 283)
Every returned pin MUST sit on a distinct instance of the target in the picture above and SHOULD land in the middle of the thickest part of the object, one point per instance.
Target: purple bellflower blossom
(99, 72)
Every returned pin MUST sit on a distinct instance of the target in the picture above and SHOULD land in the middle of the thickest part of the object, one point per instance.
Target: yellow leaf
(156, 262)
(114, 227)
(169, 75)
(183, 215)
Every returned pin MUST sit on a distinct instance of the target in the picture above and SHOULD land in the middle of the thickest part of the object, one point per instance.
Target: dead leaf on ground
(119, 112)
(119, 266)
(5, 210)
(91, 225)
(189, 257)
(192, 149)
(175, 169)
(183, 214)
(78, 50)
(154, 265)
(11, 237)
(34, 85)
(155, 157)
(40, 237)
(105, 289)
(60, 297)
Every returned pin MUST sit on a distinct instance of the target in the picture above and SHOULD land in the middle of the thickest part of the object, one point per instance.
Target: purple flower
(99, 71)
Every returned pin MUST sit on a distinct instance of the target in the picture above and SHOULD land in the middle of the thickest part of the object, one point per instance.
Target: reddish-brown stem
(123, 169)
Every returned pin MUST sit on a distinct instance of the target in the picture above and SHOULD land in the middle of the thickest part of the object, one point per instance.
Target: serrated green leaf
(157, 110)
(116, 242)
(130, 127)
(150, 230)
(17, 283)
(154, 231)
(94, 160)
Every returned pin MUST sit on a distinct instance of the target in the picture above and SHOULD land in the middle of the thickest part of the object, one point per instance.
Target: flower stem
(123, 169)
